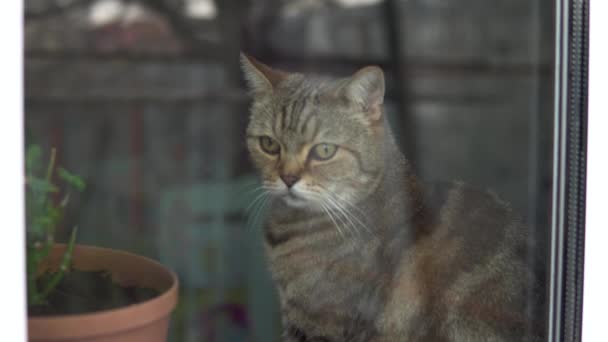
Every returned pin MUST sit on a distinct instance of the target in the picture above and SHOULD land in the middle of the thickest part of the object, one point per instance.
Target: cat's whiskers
(334, 211)
(331, 217)
(252, 191)
(346, 214)
(249, 187)
(260, 203)
(344, 200)
(343, 218)
(264, 190)
(242, 194)
(257, 206)
(260, 209)
(344, 203)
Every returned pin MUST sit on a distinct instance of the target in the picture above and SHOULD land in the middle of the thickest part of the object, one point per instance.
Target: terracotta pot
(144, 322)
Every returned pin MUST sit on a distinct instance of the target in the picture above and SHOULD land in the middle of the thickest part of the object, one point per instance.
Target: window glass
(311, 170)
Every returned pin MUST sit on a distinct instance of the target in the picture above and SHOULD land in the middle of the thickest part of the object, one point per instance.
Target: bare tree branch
(55, 8)
(264, 14)
(179, 23)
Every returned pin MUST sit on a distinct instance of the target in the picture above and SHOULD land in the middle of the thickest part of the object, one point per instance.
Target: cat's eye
(323, 151)
(269, 145)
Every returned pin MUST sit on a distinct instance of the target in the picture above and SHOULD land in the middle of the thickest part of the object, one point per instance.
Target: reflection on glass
(372, 170)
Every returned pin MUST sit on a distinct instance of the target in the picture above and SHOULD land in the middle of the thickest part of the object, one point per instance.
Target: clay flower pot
(147, 321)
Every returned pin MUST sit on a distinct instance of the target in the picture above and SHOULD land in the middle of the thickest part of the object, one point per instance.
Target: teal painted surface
(207, 238)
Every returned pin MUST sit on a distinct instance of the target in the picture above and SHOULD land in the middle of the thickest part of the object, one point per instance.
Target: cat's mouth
(293, 199)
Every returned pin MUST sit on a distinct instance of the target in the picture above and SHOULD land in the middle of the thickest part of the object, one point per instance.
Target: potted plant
(86, 293)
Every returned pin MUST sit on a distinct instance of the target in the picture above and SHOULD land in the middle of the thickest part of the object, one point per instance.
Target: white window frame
(595, 299)
(12, 256)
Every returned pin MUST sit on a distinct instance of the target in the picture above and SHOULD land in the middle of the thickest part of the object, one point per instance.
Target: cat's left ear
(366, 87)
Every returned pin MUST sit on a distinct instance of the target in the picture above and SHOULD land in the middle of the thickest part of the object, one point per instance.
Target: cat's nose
(290, 180)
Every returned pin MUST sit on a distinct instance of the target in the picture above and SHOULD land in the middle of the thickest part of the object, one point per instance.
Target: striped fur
(359, 248)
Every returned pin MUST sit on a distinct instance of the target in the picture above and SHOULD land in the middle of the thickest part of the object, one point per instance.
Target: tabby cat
(359, 248)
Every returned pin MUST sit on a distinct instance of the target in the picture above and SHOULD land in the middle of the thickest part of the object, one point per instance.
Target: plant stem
(49, 170)
(32, 287)
(50, 233)
(63, 266)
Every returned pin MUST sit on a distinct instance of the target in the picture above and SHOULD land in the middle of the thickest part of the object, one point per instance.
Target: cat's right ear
(261, 78)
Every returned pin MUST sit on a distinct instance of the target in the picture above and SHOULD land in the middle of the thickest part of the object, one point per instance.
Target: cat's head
(316, 141)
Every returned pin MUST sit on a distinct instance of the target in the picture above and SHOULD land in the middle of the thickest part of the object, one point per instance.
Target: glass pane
(370, 170)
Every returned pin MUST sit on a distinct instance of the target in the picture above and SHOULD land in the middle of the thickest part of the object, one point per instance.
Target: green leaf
(42, 217)
(32, 158)
(53, 213)
(71, 179)
(44, 221)
(41, 186)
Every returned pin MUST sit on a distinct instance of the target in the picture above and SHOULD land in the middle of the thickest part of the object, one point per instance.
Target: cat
(358, 247)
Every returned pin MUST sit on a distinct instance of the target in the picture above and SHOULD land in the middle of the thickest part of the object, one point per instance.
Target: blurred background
(145, 100)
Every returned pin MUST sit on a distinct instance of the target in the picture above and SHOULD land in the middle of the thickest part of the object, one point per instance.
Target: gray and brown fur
(400, 261)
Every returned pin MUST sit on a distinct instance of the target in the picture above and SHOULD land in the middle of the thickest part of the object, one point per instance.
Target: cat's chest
(329, 304)
(308, 267)
(326, 281)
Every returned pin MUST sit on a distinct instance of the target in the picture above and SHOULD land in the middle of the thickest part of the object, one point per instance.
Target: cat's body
(360, 250)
